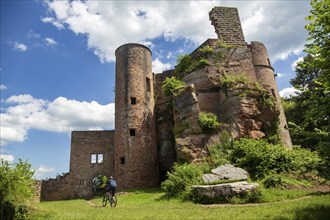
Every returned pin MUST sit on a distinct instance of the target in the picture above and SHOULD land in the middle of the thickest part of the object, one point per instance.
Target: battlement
(227, 25)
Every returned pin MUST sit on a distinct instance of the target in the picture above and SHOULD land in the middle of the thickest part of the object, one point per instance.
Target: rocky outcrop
(226, 172)
(220, 192)
(216, 193)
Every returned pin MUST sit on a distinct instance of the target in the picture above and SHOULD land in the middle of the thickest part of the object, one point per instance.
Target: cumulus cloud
(7, 157)
(41, 170)
(20, 47)
(280, 75)
(50, 41)
(109, 24)
(3, 87)
(288, 92)
(158, 66)
(294, 64)
(61, 115)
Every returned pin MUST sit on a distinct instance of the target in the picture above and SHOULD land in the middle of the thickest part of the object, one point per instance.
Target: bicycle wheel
(105, 200)
(113, 201)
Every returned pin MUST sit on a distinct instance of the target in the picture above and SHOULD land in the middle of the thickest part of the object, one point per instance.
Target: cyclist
(111, 187)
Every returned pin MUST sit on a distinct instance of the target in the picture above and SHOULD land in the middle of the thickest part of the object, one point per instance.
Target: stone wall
(78, 181)
(227, 25)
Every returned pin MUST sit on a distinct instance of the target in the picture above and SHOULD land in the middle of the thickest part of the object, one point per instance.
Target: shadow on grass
(317, 212)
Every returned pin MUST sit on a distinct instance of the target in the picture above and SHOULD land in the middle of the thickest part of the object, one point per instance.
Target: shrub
(16, 189)
(220, 150)
(170, 85)
(265, 161)
(208, 121)
(180, 180)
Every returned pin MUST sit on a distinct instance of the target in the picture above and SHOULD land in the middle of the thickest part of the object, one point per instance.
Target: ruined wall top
(227, 25)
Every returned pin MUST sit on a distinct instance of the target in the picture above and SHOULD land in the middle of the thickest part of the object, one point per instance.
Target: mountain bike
(111, 198)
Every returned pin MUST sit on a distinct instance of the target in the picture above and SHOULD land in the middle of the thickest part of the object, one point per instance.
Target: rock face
(217, 193)
(226, 172)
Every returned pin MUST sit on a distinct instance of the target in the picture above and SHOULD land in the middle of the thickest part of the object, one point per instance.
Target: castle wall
(135, 138)
(227, 25)
(78, 181)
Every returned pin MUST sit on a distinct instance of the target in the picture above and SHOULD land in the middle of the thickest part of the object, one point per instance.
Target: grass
(149, 204)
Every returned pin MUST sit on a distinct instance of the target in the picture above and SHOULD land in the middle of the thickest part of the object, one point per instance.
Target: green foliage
(309, 115)
(180, 180)
(208, 121)
(263, 160)
(186, 64)
(223, 44)
(172, 85)
(16, 189)
(206, 50)
(219, 151)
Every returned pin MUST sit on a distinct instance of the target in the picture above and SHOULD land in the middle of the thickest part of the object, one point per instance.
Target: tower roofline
(133, 44)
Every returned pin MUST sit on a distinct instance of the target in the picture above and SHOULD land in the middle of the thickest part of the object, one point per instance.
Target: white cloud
(41, 170)
(294, 64)
(3, 87)
(50, 41)
(158, 66)
(7, 157)
(20, 47)
(280, 75)
(288, 92)
(61, 115)
(109, 24)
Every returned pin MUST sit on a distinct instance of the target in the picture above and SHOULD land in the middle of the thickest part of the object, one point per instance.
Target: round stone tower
(266, 77)
(136, 163)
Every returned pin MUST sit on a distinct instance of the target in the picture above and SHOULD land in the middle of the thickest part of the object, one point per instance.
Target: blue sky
(58, 71)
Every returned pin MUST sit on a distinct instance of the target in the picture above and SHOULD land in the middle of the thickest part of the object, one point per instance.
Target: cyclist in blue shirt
(111, 186)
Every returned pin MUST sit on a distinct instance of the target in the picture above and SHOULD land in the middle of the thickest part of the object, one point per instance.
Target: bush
(208, 121)
(267, 161)
(220, 150)
(16, 189)
(170, 85)
(180, 180)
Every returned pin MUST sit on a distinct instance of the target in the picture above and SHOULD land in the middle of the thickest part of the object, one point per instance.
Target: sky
(58, 64)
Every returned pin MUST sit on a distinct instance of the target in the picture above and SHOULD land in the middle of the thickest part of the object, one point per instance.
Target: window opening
(132, 132)
(148, 84)
(273, 93)
(122, 160)
(99, 158)
(93, 158)
(268, 62)
(133, 100)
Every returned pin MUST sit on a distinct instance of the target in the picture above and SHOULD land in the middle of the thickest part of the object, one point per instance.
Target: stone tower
(266, 77)
(135, 137)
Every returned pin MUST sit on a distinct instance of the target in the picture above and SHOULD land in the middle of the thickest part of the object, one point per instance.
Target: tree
(16, 189)
(309, 112)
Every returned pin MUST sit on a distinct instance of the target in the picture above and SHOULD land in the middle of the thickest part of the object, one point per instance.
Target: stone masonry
(152, 131)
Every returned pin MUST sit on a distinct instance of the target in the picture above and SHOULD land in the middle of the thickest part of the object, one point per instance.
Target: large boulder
(221, 192)
(226, 172)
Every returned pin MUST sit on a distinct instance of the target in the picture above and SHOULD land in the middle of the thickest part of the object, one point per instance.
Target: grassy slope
(149, 205)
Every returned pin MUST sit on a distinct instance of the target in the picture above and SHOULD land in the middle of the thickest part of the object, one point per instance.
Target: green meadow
(150, 204)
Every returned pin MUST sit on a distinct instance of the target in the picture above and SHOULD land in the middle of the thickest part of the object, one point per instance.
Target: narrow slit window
(93, 158)
(99, 158)
(148, 84)
(133, 100)
(268, 62)
(122, 160)
(132, 132)
(273, 93)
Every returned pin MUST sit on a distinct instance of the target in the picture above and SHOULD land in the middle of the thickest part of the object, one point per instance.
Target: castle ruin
(152, 130)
